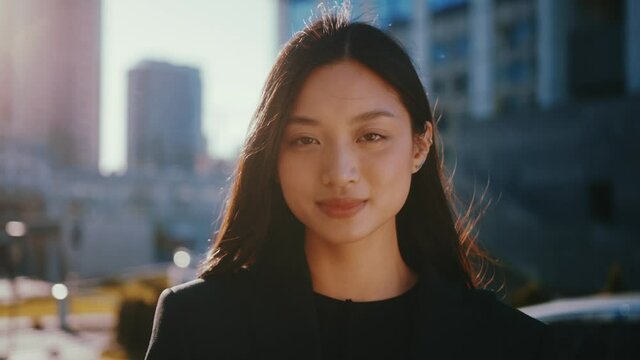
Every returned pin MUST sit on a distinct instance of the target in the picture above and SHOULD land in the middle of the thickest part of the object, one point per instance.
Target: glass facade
(449, 67)
(515, 55)
(449, 45)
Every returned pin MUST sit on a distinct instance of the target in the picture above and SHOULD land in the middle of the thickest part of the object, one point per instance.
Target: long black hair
(432, 236)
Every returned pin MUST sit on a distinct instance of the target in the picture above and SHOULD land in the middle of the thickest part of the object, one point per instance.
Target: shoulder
(493, 310)
(215, 288)
(204, 298)
(478, 307)
(495, 322)
(474, 322)
(189, 315)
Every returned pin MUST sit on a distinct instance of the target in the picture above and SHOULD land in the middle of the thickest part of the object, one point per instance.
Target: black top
(269, 312)
(366, 330)
(255, 316)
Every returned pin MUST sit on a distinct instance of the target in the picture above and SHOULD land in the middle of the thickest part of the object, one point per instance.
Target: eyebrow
(365, 116)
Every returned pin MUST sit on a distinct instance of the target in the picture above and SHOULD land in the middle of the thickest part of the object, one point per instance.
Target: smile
(341, 207)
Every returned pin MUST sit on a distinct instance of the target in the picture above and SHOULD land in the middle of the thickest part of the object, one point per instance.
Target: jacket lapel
(285, 316)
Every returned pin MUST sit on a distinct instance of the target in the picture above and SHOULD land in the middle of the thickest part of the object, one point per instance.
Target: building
(50, 76)
(92, 225)
(483, 57)
(164, 117)
(107, 224)
(538, 101)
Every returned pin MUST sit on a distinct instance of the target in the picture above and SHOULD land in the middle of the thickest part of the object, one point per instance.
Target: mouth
(341, 207)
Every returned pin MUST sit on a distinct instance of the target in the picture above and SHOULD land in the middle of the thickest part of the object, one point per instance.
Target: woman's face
(347, 154)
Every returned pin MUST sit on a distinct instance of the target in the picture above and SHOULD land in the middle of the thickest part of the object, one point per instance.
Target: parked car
(594, 327)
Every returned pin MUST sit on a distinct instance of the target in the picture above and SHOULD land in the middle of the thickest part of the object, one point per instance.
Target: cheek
(294, 178)
(390, 174)
(392, 162)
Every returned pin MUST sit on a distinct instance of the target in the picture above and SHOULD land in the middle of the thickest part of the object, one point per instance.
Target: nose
(340, 166)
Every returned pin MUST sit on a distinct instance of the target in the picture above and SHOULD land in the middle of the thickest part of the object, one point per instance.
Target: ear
(421, 146)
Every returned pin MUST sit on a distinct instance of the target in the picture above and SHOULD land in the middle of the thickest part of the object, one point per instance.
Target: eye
(304, 140)
(372, 137)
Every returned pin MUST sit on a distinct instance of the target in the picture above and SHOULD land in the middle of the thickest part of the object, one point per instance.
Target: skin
(345, 167)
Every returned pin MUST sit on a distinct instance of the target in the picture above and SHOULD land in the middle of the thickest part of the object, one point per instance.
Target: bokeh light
(16, 228)
(181, 258)
(59, 291)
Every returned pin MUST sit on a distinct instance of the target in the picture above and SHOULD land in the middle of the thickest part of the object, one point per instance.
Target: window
(518, 34)
(439, 53)
(517, 72)
(400, 11)
(460, 83)
(461, 46)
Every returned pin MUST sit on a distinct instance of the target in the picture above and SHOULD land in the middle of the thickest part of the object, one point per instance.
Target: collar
(285, 310)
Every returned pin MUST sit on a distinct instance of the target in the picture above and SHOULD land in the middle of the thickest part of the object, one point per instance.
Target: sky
(233, 43)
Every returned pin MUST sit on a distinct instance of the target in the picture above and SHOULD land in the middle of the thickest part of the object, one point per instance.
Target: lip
(341, 207)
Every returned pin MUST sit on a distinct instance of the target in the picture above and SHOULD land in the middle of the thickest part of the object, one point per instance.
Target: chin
(340, 236)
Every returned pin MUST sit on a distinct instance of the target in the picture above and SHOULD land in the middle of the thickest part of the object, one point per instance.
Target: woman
(338, 239)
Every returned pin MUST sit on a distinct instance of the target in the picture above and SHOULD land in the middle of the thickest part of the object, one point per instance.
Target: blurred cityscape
(114, 241)
(537, 101)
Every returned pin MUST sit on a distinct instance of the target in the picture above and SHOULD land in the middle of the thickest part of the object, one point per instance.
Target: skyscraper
(50, 76)
(164, 121)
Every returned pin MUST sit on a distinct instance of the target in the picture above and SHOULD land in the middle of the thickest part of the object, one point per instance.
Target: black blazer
(268, 313)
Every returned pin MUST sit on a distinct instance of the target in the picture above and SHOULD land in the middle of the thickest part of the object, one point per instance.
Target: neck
(365, 270)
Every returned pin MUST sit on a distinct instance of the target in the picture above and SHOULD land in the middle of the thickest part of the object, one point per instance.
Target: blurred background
(120, 122)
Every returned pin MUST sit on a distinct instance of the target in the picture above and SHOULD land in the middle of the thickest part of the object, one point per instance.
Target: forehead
(345, 89)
